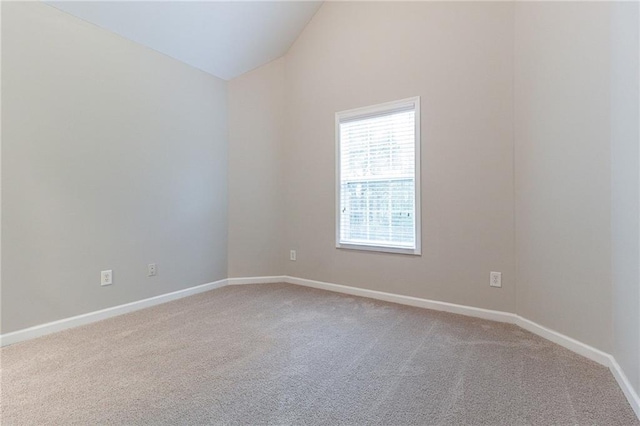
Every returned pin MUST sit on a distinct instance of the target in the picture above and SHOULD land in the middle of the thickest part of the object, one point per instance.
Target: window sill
(381, 249)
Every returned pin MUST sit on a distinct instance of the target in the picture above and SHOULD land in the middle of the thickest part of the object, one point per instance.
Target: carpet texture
(282, 354)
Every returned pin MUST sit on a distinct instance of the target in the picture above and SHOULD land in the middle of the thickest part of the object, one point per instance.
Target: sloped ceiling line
(223, 38)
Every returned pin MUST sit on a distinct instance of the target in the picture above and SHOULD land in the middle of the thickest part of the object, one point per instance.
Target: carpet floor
(282, 354)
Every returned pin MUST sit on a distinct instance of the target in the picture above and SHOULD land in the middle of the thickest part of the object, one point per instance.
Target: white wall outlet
(106, 277)
(292, 255)
(495, 279)
(151, 270)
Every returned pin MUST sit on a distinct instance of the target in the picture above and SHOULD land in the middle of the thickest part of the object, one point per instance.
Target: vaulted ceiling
(223, 38)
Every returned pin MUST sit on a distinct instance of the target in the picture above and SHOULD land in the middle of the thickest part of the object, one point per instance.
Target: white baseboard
(572, 344)
(407, 300)
(625, 385)
(507, 317)
(501, 316)
(63, 324)
(256, 280)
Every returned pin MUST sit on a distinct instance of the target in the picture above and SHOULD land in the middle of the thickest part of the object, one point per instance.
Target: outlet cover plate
(106, 277)
(495, 279)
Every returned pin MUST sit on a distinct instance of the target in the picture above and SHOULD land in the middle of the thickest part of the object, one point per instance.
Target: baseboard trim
(256, 280)
(500, 316)
(78, 320)
(625, 385)
(570, 343)
(407, 300)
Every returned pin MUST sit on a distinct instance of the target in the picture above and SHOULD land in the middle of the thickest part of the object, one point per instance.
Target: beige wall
(563, 171)
(113, 156)
(256, 132)
(625, 188)
(458, 58)
(462, 60)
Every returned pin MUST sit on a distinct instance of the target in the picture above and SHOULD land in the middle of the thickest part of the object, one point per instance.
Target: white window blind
(378, 197)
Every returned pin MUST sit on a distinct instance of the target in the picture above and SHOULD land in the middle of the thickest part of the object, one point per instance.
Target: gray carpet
(281, 354)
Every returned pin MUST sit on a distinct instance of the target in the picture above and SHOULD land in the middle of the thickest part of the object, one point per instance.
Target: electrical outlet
(292, 255)
(495, 279)
(151, 270)
(106, 277)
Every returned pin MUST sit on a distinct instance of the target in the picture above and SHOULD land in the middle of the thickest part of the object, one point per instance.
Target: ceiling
(223, 38)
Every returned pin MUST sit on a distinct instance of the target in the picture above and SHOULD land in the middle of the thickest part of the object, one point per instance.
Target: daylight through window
(378, 177)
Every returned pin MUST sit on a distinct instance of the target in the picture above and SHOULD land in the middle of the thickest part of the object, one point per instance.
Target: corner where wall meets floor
(579, 348)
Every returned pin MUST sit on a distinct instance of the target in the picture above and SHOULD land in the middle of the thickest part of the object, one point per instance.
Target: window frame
(364, 112)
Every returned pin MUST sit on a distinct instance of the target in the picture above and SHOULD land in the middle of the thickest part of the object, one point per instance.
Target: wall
(113, 156)
(625, 188)
(256, 132)
(458, 58)
(563, 170)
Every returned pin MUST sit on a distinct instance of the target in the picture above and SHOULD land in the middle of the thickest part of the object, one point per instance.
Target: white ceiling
(223, 38)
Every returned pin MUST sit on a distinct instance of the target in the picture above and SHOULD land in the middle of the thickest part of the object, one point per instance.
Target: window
(378, 177)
